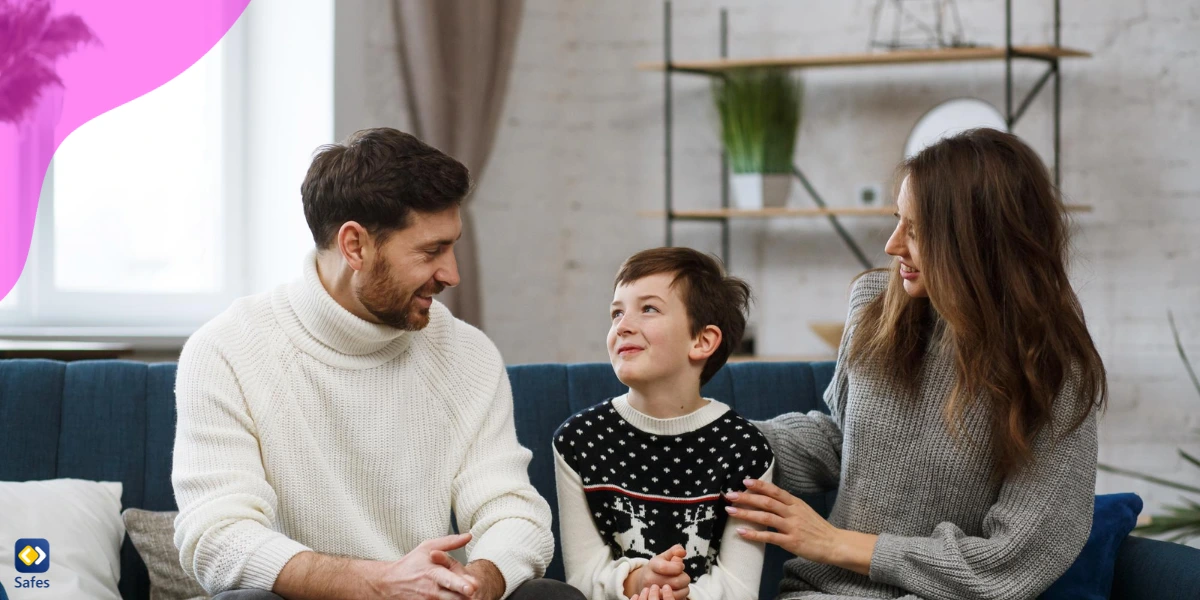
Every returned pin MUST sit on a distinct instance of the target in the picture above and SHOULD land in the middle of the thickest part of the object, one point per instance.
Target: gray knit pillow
(153, 534)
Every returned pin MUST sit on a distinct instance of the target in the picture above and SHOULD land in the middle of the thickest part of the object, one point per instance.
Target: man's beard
(378, 296)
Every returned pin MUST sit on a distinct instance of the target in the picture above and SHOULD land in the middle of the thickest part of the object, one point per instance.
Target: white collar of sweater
(322, 328)
(675, 425)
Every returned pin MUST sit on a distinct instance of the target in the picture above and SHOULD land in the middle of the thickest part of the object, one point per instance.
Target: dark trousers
(537, 589)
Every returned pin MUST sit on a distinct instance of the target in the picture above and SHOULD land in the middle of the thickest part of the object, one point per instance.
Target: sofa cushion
(153, 534)
(1090, 576)
(73, 531)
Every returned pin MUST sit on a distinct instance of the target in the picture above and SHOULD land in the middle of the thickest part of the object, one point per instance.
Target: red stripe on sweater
(651, 497)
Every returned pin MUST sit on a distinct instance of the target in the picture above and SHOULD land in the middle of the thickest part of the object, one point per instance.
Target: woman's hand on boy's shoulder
(663, 571)
(798, 528)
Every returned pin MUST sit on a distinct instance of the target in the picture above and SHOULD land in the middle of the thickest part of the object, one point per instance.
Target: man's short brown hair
(710, 296)
(376, 178)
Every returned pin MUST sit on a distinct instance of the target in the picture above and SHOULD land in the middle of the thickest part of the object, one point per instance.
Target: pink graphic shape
(141, 44)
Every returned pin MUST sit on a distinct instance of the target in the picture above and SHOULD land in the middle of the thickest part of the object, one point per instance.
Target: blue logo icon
(31, 555)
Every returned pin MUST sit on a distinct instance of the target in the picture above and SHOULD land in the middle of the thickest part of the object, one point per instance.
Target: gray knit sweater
(947, 529)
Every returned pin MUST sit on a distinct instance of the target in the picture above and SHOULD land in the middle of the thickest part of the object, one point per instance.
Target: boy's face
(649, 339)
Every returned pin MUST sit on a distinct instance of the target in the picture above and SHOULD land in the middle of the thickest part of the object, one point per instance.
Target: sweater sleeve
(587, 558)
(808, 449)
(225, 530)
(509, 521)
(1030, 536)
(737, 573)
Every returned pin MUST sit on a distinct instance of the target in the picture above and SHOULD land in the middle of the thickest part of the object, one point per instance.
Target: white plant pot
(753, 191)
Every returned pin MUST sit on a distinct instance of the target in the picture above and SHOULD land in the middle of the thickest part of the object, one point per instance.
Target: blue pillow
(1091, 577)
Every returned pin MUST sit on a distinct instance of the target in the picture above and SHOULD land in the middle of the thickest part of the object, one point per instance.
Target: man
(327, 429)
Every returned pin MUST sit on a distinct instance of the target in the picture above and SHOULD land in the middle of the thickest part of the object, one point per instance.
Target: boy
(641, 477)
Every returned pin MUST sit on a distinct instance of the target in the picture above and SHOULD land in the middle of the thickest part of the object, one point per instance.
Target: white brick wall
(580, 152)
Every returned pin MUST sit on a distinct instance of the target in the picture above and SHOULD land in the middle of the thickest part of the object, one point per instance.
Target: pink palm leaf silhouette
(31, 41)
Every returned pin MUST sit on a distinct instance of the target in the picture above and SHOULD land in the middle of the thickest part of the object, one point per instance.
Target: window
(150, 223)
(117, 220)
(139, 218)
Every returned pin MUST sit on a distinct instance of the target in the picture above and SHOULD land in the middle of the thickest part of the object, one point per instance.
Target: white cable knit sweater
(302, 426)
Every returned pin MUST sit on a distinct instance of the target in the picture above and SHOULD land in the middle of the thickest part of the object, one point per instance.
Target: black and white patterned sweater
(631, 486)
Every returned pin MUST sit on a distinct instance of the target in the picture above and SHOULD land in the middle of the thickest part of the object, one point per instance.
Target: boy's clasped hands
(663, 578)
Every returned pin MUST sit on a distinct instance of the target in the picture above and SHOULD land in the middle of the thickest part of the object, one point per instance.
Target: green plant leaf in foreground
(1178, 523)
(1187, 363)
(1152, 479)
(1189, 458)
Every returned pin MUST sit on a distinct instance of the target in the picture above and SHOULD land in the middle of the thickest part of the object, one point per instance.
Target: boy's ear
(706, 343)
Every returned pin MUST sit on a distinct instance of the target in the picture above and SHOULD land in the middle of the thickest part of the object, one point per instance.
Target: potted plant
(760, 112)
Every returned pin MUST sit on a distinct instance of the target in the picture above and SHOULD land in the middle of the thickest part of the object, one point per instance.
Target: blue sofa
(115, 421)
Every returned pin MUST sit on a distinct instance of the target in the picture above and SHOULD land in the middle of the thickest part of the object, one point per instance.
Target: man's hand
(426, 573)
(664, 570)
(423, 573)
(490, 580)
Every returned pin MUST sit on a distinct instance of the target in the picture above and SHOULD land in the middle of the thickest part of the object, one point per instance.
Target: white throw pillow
(81, 522)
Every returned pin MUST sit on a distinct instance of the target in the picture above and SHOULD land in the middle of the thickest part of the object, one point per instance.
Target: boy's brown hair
(710, 296)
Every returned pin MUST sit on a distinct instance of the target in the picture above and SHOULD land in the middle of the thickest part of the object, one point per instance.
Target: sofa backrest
(115, 421)
(99, 420)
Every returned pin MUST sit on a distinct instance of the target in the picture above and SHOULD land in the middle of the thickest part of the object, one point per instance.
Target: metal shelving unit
(1051, 55)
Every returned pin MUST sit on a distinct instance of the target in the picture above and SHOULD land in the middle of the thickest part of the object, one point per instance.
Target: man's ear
(355, 244)
(705, 343)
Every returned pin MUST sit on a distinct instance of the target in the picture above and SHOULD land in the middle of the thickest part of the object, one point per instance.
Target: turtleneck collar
(321, 327)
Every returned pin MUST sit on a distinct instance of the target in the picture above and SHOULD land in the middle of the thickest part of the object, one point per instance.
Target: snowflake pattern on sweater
(648, 492)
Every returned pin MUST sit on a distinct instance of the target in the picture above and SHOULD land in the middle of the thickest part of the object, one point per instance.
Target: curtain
(455, 57)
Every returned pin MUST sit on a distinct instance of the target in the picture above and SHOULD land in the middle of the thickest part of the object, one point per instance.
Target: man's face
(409, 268)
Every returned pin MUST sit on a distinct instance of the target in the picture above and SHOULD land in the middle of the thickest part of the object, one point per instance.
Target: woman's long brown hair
(993, 241)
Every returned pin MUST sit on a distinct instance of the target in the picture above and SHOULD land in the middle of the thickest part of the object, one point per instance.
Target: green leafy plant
(760, 112)
(1179, 523)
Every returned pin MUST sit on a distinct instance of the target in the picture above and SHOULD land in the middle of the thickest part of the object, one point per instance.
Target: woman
(962, 440)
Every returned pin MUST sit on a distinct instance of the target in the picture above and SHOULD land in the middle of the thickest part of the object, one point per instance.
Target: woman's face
(903, 245)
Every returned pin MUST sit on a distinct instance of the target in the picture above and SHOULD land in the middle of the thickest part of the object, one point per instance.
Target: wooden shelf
(770, 213)
(767, 213)
(933, 55)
